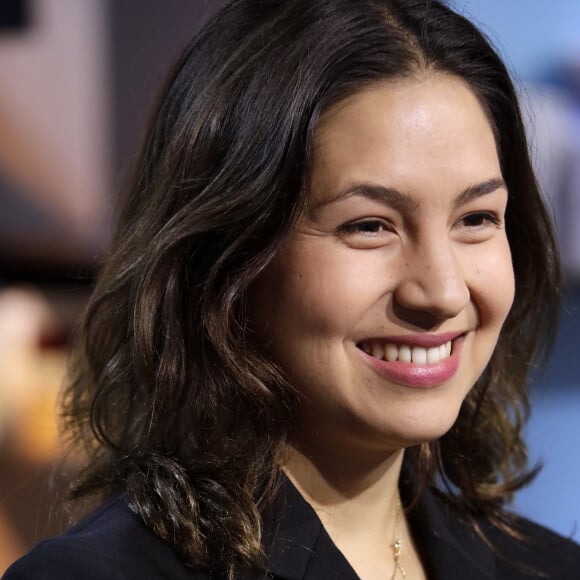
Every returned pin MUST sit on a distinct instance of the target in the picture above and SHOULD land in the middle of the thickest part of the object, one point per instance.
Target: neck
(349, 492)
(356, 497)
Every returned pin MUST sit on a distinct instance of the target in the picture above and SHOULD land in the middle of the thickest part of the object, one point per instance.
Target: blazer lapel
(299, 547)
(449, 545)
(297, 544)
(291, 529)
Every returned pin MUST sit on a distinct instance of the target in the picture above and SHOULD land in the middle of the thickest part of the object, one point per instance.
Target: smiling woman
(308, 349)
(411, 261)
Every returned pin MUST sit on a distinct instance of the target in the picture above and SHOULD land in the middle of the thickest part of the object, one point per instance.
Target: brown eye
(365, 227)
(479, 219)
(366, 234)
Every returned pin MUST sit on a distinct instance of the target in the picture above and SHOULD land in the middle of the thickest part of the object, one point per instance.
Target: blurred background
(76, 82)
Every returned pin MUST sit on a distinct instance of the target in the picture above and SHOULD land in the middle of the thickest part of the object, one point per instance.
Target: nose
(432, 285)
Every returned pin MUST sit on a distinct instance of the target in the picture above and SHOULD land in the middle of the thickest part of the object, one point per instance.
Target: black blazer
(113, 544)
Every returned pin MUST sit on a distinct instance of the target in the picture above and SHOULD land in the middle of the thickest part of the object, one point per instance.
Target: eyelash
(358, 227)
(374, 229)
(481, 216)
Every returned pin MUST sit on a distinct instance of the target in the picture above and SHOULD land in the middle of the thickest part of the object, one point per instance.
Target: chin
(426, 435)
(421, 429)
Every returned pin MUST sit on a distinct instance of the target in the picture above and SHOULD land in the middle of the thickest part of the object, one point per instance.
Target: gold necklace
(397, 546)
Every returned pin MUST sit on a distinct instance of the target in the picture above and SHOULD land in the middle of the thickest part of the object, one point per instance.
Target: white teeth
(378, 351)
(405, 354)
(433, 355)
(416, 354)
(391, 352)
(419, 355)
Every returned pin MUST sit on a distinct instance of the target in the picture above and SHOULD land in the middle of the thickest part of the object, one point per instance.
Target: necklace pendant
(397, 547)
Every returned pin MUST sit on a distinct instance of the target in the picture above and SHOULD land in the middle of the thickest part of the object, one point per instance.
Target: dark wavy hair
(169, 398)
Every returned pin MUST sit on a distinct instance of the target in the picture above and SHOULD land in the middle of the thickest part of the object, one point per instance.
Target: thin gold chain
(397, 547)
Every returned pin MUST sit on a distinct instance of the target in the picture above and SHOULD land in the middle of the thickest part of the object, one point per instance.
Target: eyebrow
(479, 190)
(405, 203)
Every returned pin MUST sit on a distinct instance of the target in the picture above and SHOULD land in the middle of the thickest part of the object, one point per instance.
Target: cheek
(311, 298)
(495, 284)
(329, 299)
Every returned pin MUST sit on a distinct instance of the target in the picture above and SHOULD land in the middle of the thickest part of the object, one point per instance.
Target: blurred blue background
(532, 36)
(540, 42)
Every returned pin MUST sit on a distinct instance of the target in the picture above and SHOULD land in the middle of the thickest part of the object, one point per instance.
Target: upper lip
(423, 340)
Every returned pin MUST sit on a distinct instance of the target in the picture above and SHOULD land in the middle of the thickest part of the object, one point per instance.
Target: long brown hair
(168, 397)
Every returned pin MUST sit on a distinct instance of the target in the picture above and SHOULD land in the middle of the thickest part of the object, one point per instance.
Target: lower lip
(418, 376)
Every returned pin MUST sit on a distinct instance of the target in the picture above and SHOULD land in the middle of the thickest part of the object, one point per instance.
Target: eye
(367, 233)
(368, 227)
(479, 226)
(480, 219)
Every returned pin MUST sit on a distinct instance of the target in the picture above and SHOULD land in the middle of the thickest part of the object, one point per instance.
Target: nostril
(418, 318)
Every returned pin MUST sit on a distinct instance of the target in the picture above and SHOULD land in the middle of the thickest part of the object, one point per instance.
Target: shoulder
(539, 549)
(453, 548)
(111, 543)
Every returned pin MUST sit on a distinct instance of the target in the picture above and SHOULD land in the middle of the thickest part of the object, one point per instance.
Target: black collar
(301, 549)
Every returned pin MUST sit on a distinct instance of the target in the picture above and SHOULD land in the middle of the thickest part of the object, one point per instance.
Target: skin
(356, 267)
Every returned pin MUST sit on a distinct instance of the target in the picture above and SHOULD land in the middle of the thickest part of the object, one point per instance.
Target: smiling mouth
(407, 353)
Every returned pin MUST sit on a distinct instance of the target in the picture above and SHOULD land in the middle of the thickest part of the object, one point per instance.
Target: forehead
(405, 132)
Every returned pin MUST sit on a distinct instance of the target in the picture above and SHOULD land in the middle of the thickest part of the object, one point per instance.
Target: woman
(307, 353)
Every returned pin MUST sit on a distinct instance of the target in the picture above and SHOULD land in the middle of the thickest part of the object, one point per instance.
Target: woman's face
(386, 301)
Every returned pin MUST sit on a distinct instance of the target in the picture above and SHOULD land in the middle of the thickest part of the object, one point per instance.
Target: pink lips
(416, 375)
